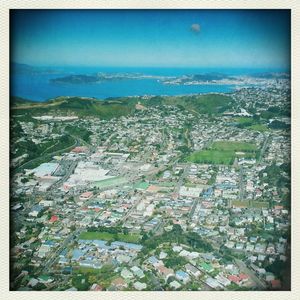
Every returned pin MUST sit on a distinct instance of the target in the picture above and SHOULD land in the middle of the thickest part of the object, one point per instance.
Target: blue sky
(157, 38)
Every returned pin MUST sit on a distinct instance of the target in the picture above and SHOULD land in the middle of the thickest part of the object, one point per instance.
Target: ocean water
(37, 86)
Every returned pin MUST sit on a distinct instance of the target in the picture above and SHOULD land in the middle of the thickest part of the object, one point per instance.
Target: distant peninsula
(195, 79)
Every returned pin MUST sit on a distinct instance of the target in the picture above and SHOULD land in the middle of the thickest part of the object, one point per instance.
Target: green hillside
(203, 104)
(75, 105)
(110, 108)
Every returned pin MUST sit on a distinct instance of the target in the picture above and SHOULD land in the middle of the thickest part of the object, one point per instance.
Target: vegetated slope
(75, 79)
(76, 105)
(203, 104)
(110, 108)
(18, 101)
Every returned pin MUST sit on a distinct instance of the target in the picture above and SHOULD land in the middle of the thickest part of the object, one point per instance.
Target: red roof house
(234, 279)
(53, 219)
(243, 276)
(276, 284)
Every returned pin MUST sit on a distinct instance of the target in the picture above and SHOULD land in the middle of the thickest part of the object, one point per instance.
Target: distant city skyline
(152, 38)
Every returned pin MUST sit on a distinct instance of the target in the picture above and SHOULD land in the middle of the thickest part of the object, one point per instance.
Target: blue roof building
(129, 246)
(183, 276)
(153, 260)
(101, 244)
(77, 254)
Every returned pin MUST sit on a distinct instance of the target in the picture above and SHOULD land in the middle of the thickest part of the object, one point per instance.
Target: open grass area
(141, 185)
(211, 103)
(85, 270)
(110, 182)
(251, 124)
(224, 152)
(240, 203)
(259, 204)
(234, 146)
(259, 127)
(93, 235)
(212, 157)
(203, 104)
(106, 236)
(245, 154)
(249, 204)
(244, 120)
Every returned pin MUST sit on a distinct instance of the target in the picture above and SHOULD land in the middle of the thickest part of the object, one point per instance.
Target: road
(54, 256)
(23, 166)
(131, 209)
(183, 175)
(158, 229)
(81, 141)
(241, 184)
(187, 137)
(263, 149)
(196, 201)
(65, 177)
(107, 142)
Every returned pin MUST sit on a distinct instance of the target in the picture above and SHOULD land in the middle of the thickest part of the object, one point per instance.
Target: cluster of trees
(278, 125)
(176, 235)
(276, 111)
(83, 280)
(81, 132)
(275, 175)
(278, 268)
(175, 261)
(41, 150)
(112, 230)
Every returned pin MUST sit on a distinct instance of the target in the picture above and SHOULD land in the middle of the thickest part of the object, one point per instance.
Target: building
(165, 272)
(126, 274)
(140, 286)
(86, 196)
(182, 276)
(192, 270)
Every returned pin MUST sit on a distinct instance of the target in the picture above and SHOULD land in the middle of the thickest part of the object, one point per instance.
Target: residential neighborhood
(146, 203)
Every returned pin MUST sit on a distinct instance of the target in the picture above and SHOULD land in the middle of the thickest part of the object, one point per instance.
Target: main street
(241, 184)
(264, 147)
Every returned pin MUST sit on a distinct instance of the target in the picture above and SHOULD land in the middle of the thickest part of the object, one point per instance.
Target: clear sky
(158, 38)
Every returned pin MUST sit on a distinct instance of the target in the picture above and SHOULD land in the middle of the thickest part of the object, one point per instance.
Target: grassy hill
(110, 108)
(18, 101)
(203, 104)
(75, 105)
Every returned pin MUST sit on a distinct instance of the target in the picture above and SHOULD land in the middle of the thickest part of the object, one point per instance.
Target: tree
(175, 262)
(24, 180)
(81, 282)
(40, 287)
(278, 125)
(177, 229)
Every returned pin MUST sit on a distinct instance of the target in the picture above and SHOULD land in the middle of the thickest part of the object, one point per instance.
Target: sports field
(234, 146)
(249, 204)
(110, 182)
(252, 124)
(212, 157)
(259, 127)
(223, 152)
